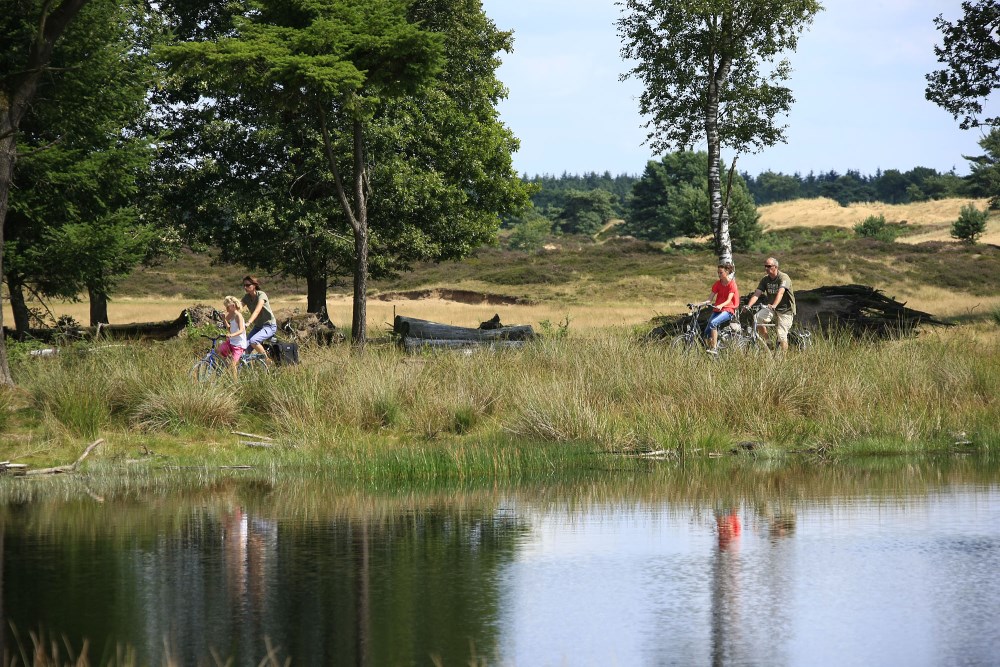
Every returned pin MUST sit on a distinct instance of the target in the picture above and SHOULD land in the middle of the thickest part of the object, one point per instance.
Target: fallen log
(71, 467)
(306, 328)
(6, 467)
(164, 330)
(858, 310)
(411, 344)
(410, 327)
(252, 435)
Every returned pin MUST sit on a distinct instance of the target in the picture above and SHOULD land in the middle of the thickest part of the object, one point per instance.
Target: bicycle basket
(763, 316)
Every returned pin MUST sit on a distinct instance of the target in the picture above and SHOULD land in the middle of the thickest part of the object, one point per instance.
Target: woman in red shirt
(724, 300)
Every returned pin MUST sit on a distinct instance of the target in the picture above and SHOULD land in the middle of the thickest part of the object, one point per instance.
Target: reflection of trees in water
(340, 591)
(218, 576)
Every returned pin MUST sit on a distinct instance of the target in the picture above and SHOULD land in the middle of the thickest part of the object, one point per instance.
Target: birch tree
(713, 71)
(970, 52)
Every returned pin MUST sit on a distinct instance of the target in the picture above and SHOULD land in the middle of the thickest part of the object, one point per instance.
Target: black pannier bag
(284, 354)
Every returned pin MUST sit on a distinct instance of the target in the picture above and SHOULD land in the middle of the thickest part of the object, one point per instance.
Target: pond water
(877, 563)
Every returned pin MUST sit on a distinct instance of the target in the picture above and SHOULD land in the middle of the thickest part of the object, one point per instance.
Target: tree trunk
(357, 216)
(98, 306)
(8, 155)
(14, 103)
(359, 311)
(316, 294)
(22, 318)
(359, 335)
(719, 212)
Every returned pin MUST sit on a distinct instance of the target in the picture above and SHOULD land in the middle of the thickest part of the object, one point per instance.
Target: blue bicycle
(213, 364)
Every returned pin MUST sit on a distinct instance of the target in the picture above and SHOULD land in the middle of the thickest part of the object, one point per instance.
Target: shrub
(970, 225)
(531, 233)
(875, 227)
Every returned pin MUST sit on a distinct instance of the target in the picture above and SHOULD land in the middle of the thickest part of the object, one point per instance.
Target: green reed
(454, 413)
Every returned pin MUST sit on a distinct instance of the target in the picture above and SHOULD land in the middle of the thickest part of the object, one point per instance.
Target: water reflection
(726, 619)
(726, 564)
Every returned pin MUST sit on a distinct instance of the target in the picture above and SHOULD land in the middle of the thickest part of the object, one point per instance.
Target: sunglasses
(248, 284)
(766, 266)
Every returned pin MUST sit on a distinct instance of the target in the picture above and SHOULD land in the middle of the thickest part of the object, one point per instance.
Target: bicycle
(691, 338)
(213, 364)
(760, 318)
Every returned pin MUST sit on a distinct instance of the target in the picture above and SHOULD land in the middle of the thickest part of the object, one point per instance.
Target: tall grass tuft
(6, 407)
(606, 392)
(75, 401)
(186, 405)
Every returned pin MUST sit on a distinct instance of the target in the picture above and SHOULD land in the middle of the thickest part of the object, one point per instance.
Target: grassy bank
(508, 413)
(560, 402)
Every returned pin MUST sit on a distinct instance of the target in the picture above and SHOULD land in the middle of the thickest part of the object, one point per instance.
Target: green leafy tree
(433, 158)
(75, 223)
(891, 187)
(984, 170)
(770, 187)
(970, 52)
(338, 62)
(551, 191)
(971, 224)
(585, 212)
(29, 32)
(710, 73)
(530, 232)
(875, 227)
(671, 199)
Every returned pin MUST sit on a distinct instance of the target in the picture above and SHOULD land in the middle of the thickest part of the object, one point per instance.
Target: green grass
(388, 414)
(458, 415)
(198, 276)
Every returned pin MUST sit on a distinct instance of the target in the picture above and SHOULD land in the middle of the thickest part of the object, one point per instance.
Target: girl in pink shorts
(236, 339)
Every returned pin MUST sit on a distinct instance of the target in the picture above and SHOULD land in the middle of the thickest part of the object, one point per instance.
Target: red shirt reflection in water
(729, 528)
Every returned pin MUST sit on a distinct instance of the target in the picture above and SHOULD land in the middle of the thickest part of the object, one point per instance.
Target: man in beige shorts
(777, 287)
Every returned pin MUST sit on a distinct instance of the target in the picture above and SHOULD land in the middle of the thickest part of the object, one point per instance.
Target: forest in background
(669, 199)
(891, 186)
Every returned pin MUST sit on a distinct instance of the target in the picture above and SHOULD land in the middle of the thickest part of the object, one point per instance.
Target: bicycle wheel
(253, 365)
(730, 340)
(206, 370)
(687, 342)
(800, 339)
(752, 342)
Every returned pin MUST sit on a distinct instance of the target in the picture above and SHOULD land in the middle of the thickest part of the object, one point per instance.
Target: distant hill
(928, 221)
(813, 239)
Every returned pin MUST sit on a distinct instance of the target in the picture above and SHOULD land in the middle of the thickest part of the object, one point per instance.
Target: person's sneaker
(712, 351)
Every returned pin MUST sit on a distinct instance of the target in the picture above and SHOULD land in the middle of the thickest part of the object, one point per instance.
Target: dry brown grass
(933, 219)
(582, 317)
(381, 313)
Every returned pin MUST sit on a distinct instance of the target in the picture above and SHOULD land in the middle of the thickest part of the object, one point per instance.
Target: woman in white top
(236, 339)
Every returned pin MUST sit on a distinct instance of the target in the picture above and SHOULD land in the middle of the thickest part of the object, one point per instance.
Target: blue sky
(858, 81)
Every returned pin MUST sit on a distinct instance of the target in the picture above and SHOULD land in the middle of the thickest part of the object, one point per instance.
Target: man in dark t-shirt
(777, 287)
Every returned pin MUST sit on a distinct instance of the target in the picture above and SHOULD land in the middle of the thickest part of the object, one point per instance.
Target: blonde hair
(230, 301)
